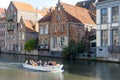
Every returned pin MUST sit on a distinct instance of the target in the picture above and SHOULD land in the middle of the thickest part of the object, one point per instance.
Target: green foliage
(92, 37)
(71, 50)
(81, 47)
(30, 45)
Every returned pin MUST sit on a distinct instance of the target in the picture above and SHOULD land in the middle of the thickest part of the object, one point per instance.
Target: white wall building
(108, 29)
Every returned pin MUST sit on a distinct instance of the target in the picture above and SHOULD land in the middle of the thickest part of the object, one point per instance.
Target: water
(11, 69)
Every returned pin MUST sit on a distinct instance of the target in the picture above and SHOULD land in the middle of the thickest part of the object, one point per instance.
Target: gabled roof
(47, 17)
(2, 13)
(80, 14)
(29, 25)
(23, 6)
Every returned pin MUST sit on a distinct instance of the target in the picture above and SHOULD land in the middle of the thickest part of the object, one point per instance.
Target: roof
(23, 6)
(47, 17)
(2, 13)
(80, 14)
(41, 12)
(29, 26)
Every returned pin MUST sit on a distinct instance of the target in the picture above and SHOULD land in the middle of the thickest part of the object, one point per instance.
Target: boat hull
(44, 68)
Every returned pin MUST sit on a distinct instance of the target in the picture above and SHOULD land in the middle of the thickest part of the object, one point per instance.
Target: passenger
(45, 63)
(26, 61)
(39, 62)
(50, 63)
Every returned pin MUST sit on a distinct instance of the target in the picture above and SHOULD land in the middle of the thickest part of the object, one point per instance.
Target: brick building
(14, 12)
(67, 22)
(2, 28)
(26, 31)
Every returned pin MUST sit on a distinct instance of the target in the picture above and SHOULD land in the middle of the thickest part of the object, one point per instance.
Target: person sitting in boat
(39, 62)
(51, 63)
(45, 63)
(26, 61)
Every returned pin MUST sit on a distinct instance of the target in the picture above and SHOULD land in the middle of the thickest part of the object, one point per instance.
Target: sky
(39, 4)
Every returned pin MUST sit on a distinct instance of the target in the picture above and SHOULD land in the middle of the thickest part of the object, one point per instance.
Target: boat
(47, 68)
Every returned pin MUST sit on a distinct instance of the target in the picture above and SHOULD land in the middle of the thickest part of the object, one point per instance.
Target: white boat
(47, 68)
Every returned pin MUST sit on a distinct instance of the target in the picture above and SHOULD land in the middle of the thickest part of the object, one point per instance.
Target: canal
(11, 69)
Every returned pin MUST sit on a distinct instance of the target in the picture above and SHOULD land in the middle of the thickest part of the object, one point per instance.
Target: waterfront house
(2, 28)
(14, 12)
(108, 22)
(26, 31)
(69, 22)
(44, 31)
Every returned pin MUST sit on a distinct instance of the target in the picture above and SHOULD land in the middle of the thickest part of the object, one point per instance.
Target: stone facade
(14, 12)
(24, 34)
(108, 31)
(65, 25)
(2, 28)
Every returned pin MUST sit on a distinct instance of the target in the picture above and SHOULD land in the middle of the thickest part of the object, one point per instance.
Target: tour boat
(47, 68)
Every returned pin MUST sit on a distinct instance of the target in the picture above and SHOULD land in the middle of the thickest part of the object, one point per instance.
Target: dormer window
(58, 8)
(58, 18)
(14, 13)
(11, 8)
(21, 26)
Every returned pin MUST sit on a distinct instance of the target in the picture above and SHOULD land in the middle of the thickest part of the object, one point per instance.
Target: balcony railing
(44, 47)
(114, 49)
(10, 28)
(9, 18)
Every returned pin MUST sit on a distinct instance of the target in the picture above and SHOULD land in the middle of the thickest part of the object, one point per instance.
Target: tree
(81, 47)
(71, 50)
(30, 45)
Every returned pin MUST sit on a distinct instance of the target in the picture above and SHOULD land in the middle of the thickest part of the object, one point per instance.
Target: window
(41, 30)
(14, 37)
(58, 8)
(11, 7)
(55, 29)
(54, 42)
(115, 37)
(20, 35)
(104, 38)
(14, 14)
(21, 26)
(62, 40)
(58, 18)
(23, 36)
(104, 15)
(61, 28)
(46, 41)
(46, 29)
(115, 14)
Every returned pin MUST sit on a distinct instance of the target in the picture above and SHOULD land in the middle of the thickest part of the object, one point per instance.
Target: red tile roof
(47, 17)
(23, 6)
(29, 26)
(78, 13)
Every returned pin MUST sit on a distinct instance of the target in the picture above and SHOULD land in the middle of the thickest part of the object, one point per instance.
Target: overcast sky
(38, 3)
